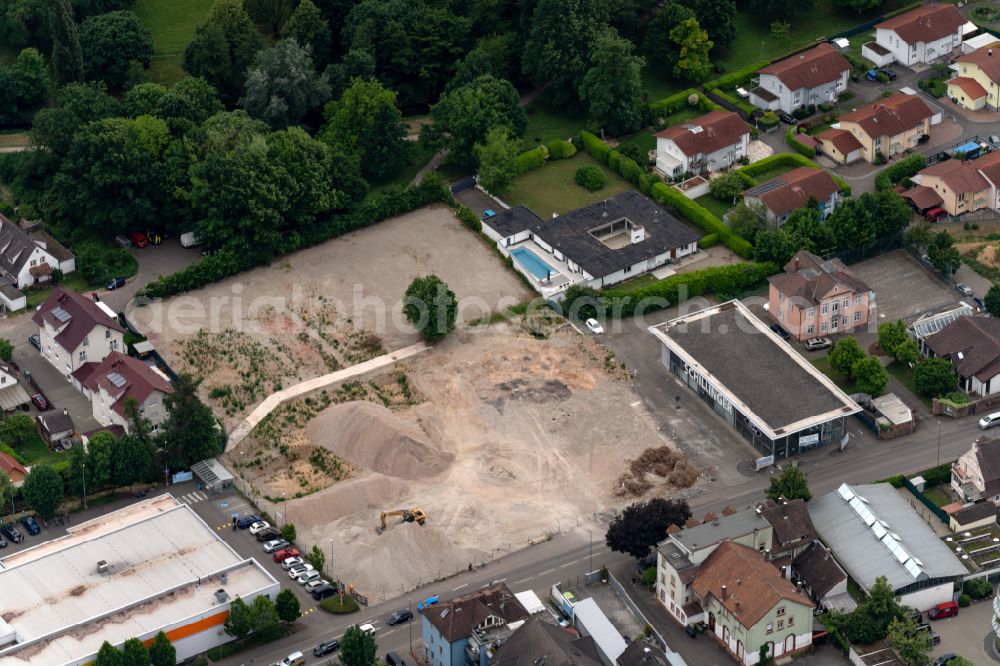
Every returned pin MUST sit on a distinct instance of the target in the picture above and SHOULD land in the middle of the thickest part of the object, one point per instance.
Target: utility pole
(83, 471)
(939, 443)
(591, 557)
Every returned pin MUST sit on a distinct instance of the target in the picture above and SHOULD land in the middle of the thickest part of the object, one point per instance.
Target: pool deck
(554, 285)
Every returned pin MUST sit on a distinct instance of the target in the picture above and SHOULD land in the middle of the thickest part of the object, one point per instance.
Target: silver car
(276, 544)
(964, 289)
(812, 344)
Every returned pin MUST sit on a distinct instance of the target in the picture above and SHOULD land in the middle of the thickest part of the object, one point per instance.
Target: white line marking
(523, 580)
(636, 403)
(499, 580)
(456, 589)
(546, 571)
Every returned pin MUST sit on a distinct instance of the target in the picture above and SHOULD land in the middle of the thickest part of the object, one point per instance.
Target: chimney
(723, 592)
(989, 52)
(65, 412)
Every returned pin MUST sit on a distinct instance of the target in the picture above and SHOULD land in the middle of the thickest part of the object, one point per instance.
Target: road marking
(564, 565)
(523, 580)
(456, 589)
(546, 571)
(499, 580)
(636, 403)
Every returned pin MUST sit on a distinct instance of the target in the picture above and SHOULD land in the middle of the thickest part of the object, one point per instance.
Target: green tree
(860, 6)
(463, 116)
(190, 432)
(67, 56)
(748, 219)
(135, 653)
(912, 646)
(776, 246)
(497, 55)
(307, 26)
(773, 9)
(612, 87)
(76, 104)
(269, 15)
(907, 352)
(287, 605)
(288, 531)
(223, 47)
(992, 301)
(132, 461)
(718, 17)
(142, 99)
(6, 491)
(367, 123)
(919, 234)
(935, 376)
(29, 77)
(870, 621)
(43, 490)
(162, 651)
(240, 622)
(17, 429)
(357, 647)
(265, 616)
(113, 42)
(791, 484)
(317, 558)
(282, 86)
(943, 253)
(764, 655)
(658, 44)
(497, 161)
(692, 45)
(6, 349)
(869, 376)
(727, 186)
(891, 335)
(845, 354)
(561, 38)
(431, 307)
(109, 655)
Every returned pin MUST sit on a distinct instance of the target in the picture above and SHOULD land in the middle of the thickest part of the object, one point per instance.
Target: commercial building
(150, 567)
(872, 531)
(714, 141)
(725, 354)
(923, 35)
(816, 76)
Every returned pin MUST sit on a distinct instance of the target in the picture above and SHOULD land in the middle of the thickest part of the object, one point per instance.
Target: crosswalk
(193, 497)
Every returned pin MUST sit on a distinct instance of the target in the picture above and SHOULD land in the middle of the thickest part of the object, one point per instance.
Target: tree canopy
(612, 87)
(43, 490)
(282, 85)
(790, 484)
(223, 47)
(190, 432)
(367, 124)
(67, 56)
(114, 42)
(357, 647)
(642, 525)
(561, 38)
(935, 377)
(497, 159)
(431, 307)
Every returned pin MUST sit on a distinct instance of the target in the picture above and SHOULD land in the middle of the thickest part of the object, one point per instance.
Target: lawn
(658, 83)
(74, 281)
(904, 374)
(172, 24)
(843, 381)
(938, 496)
(714, 206)
(551, 189)
(34, 451)
(420, 155)
(546, 123)
(644, 280)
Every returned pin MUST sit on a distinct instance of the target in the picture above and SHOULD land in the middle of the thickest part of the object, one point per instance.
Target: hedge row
(737, 78)
(701, 217)
(789, 159)
(560, 150)
(226, 262)
(902, 10)
(708, 241)
(735, 101)
(798, 146)
(532, 159)
(904, 168)
(595, 147)
(723, 281)
(468, 217)
(678, 101)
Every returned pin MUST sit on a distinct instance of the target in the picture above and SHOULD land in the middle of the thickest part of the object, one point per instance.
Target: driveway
(59, 392)
(904, 288)
(154, 261)
(966, 633)
(979, 284)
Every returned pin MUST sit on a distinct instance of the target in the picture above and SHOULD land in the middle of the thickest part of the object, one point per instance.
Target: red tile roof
(792, 190)
(969, 86)
(457, 618)
(811, 68)
(890, 116)
(718, 130)
(9, 466)
(987, 58)
(140, 380)
(958, 175)
(925, 24)
(923, 197)
(845, 142)
(989, 166)
(84, 316)
(809, 278)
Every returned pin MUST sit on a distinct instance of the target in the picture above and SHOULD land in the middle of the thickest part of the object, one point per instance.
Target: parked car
(690, 630)
(275, 545)
(35, 342)
(294, 659)
(871, 75)
(923, 138)
(259, 527)
(995, 140)
(298, 568)
(138, 239)
(935, 638)
(393, 659)
(308, 577)
(935, 214)
(325, 648)
(122, 241)
(322, 592)
(888, 72)
(154, 237)
(190, 239)
(812, 344)
(114, 283)
(787, 118)
(39, 401)
(400, 616)
(429, 601)
(780, 332)
(243, 522)
(30, 524)
(290, 562)
(285, 553)
(267, 535)
(948, 608)
(989, 421)
(594, 326)
(944, 659)
(313, 584)
(367, 628)
(917, 617)
(11, 533)
(964, 289)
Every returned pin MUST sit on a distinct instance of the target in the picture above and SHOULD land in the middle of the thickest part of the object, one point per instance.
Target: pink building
(816, 297)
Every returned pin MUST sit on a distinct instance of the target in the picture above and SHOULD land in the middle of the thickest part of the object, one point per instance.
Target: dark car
(780, 332)
(691, 631)
(31, 525)
(3, 542)
(944, 659)
(35, 341)
(114, 283)
(400, 616)
(323, 591)
(39, 400)
(11, 533)
(935, 637)
(888, 72)
(244, 522)
(329, 647)
(267, 535)
(787, 118)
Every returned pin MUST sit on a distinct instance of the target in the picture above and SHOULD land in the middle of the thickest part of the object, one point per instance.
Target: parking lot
(966, 634)
(904, 288)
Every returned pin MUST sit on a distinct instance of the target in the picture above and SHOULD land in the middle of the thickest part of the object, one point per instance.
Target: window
(847, 302)
(86, 341)
(789, 306)
(780, 612)
(33, 262)
(836, 306)
(961, 197)
(825, 309)
(810, 329)
(83, 356)
(107, 333)
(833, 323)
(114, 345)
(811, 313)
(823, 327)
(781, 296)
(857, 300)
(628, 269)
(781, 624)
(857, 316)
(843, 321)
(770, 628)
(791, 621)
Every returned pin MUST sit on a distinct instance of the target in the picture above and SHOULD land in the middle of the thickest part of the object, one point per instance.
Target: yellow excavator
(406, 515)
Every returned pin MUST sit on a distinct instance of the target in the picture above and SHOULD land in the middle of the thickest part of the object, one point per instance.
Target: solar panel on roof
(912, 569)
(61, 315)
(878, 530)
(845, 491)
(116, 379)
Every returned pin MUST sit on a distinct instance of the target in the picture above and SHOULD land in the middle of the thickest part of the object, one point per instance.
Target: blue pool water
(532, 263)
(967, 147)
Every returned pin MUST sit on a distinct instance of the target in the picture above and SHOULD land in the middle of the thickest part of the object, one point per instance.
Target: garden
(172, 24)
(552, 188)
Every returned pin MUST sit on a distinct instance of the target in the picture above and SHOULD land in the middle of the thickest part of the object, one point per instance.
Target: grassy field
(657, 83)
(715, 206)
(546, 123)
(172, 24)
(840, 379)
(772, 173)
(938, 496)
(552, 189)
(34, 451)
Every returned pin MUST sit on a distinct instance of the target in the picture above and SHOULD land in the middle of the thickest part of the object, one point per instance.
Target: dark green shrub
(673, 103)
(964, 600)
(614, 157)
(595, 147)
(708, 241)
(978, 588)
(532, 159)
(590, 177)
(935, 476)
(798, 146)
(738, 77)
(468, 217)
(646, 182)
(903, 169)
(768, 120)
(334, 605)
(629, 170)
(560, 150)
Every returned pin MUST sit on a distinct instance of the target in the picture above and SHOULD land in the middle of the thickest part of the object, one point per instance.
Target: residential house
(712, 142)
(680, 555)
(972, 344)
(595, 246)
(14, 470)
(973, 516)
(793, 529)
(120, 378)
(922, 35)
(648, 653)
(75, 334)
(816, 297)
(839, 145)
(793, 190)
(536, 642)
(452, 629)
(872, 531)
(749, 604)
(959, 186)
(976, 473)
(816, 76)
(890, 126)
(821, 578)
(55, 425)
(26, 261)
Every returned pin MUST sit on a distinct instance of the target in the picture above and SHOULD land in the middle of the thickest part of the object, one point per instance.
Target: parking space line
(456, 589)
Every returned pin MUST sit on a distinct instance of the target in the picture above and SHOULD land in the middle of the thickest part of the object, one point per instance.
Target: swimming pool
(530, 261)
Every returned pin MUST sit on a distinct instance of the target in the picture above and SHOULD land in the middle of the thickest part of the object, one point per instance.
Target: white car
(316, 582)
(989, 421)
(367, 628)
(298, 569)
(259, 527)
(307, 577)
(291, 562)
(594, 326)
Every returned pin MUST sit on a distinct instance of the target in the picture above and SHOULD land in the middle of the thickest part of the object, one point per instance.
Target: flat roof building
(153, 566)
(725, 354)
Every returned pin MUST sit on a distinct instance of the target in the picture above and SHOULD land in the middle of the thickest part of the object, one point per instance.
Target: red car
(138, 239)
(935, 214)
(40, 401)
(283, 555)
(941, 611)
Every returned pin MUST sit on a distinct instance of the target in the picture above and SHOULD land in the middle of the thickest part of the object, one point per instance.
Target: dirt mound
(372, 437)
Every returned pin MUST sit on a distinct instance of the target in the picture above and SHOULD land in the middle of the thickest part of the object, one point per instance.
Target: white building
(923, 35)
(711, 142)
(27, 260)
(816, 76)
(972, 344)
(150, 567)
(76, 334)
(119, 378)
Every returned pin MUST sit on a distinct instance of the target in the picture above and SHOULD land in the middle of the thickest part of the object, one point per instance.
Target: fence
(635, 610)
(931, 506)
(984, 404)
(880, 246)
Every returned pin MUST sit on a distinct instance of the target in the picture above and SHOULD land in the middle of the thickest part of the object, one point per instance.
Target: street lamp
(83, 471)
(939, 443)
(591, 558)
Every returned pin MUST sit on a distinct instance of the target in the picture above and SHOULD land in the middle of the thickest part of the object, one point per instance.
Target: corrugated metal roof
(599, 627)
(12, 397)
